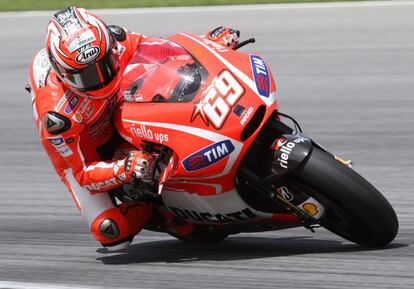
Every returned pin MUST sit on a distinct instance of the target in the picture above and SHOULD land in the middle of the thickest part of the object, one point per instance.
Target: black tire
(355, 210)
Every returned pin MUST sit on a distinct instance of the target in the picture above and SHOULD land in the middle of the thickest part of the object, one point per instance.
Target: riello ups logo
(208, 155)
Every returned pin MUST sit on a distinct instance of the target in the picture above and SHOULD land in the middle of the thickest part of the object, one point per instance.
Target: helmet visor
(95, 76)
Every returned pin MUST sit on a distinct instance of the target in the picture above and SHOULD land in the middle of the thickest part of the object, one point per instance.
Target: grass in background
(16, 5)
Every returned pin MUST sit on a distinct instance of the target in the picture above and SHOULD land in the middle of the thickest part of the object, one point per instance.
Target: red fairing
(207, 119)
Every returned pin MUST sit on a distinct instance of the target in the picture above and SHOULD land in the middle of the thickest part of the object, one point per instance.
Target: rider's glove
(224, 36)
(137, 164)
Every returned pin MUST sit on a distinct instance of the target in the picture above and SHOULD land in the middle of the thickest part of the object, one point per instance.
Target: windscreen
(164, 72)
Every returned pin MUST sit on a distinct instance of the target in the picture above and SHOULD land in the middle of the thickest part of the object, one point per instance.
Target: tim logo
(261, 75)
(71, 104)
(208, 155)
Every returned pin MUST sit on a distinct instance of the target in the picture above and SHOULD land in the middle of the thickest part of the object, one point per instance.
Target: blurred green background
(16, 5)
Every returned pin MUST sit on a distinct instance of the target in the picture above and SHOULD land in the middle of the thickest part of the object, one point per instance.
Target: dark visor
(95, 76)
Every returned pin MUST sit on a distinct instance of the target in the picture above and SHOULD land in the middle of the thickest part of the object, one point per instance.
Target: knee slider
(118, 225)
(111, 227)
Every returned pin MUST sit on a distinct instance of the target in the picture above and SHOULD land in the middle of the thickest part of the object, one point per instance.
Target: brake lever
(243, 43)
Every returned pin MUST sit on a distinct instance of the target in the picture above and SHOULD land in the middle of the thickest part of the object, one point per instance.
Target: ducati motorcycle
(226, 159)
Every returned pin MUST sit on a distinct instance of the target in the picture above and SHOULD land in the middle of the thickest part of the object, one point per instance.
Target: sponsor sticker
(284, 192)
(41, 68)
(313, 208)
(62, 101)
(77, 117)
(237, 216)
(121, 49)
(83, 105)
(71, 104)
(261, 75)
(122, 177)
(101, 185)
(81, 40)
(70, 140)
(88, 55)
(146, 133)
(246, 115)
(56, 141)
(65, 151)
(208, 155)
(310, 208)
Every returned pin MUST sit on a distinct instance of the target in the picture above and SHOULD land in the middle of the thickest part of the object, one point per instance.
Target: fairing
(204, 127)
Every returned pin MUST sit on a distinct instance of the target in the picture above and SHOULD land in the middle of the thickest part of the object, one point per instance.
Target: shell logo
(311, 209)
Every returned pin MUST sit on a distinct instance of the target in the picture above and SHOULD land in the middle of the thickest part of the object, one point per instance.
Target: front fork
(288, 150)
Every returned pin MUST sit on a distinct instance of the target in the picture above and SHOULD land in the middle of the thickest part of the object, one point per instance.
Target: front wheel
(354, 209)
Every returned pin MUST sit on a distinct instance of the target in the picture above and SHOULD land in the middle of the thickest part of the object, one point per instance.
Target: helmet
(83, 52)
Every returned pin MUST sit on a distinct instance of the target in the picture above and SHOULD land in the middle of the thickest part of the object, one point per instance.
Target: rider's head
(83, 52)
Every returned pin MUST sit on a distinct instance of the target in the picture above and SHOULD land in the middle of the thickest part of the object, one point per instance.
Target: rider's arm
(79, 153)
(76, 148)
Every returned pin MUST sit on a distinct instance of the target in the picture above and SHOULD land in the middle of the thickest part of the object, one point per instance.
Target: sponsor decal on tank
(261, 75)
(208, 155)
(146, 133)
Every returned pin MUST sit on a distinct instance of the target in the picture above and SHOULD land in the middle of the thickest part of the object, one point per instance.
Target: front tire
(355, 210)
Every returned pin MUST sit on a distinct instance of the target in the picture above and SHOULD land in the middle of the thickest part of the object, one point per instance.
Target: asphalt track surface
(347, 73)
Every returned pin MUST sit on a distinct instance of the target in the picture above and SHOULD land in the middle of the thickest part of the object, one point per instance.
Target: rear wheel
(354, 209)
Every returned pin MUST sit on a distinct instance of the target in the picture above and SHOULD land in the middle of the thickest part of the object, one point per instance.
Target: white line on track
(29, 285)
(218, 8)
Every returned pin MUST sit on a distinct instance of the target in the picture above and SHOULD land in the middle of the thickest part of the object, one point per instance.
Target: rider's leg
(113, 226)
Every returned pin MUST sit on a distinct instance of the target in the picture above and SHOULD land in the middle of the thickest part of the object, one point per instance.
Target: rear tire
(355, 210)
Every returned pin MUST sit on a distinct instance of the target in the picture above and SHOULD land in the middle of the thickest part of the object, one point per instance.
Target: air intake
(254, 123)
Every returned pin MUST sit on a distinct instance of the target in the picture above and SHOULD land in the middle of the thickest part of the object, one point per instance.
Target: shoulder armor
(118, 32)
(41, 68)
(56, 123)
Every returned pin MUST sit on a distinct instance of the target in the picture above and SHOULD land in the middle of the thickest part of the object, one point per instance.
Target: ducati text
(232, 217)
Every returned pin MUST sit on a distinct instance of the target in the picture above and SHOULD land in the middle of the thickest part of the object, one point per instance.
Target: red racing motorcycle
(226, 161)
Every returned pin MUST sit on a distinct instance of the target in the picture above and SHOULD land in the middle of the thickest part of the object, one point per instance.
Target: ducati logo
(88, 55)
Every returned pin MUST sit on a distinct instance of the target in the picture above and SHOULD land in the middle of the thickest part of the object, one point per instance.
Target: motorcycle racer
(74, 83)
